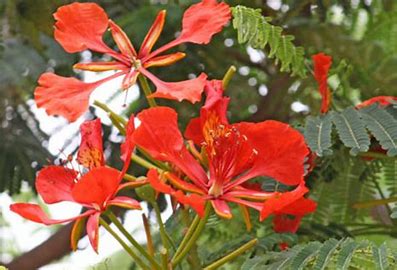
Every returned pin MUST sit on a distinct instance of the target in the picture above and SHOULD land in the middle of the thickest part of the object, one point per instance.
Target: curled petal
(382, 100)
(122, 40)
(100, 66)
(154, 180)
(125, 202)
(97, 186)
(322, 63)
(80, 26)
(129, 79)
(221, 208)
(93, 230)
(159, 135)
(55, 183)
(65, 96)
(164, 60)
(194, 131)
(278, 203)
(203, 20)
(190, 90)
(153, 34)
(300, 207)
(33, 212)
(128, 146)
(90, 153)
(280, 151)
(77, 231)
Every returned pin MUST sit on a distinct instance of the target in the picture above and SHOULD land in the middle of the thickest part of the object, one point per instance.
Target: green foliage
(256, 31)
(318, 134)
(352, 125)
(351, 130)
(383, 126)
(331, 254)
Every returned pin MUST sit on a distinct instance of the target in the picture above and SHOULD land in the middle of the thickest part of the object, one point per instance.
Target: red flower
(96, 190)
(322, 63)
(80, 26)
(235, 153)
(382, 100)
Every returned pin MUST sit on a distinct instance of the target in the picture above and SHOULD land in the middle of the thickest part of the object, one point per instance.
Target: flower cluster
(215, 163)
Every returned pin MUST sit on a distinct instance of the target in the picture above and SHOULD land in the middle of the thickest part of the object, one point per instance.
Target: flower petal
(33, 212)
(164, 60)
(190, 90)
(97, 186)
(125, 202)
(153, 34)
(322, 63)
(80, 26)
(382, 100)
(55, 183)
(122, 40)
(202, 20)
(281, 151)
(90, 153)
(221, 208)
(286, 224)
(159, 135)
(278, 203)
(65, 96)
(193, 200)
(128, 146)
(300, 207)
(93, 230)
(100, 66)
(77, 231)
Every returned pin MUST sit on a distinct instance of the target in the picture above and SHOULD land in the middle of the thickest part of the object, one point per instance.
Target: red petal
(153, 34)
(100, 66)
(382, 100)
(93, 230)
(80, 26)
(286, 224)
(90, 153)
(97, 186)
(201, 21)
(128, 146)
(281, 151)
(194, 131)
(195, 201)
(322, 63)
(55, 183)
(33, 212)
(159, 135)
(300, 207)
(221, 208)
(277, 204)
(65, 96)
(125, 202)
(190, 89)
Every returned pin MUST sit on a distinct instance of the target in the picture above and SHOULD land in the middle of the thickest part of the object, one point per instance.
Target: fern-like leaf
(380, 257)
(351, 130)
(318, 134)
(256, 31)
(383, 126)
(325, 253)
(304, 255)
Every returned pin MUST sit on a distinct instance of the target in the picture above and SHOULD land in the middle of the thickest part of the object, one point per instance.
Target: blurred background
(361, 36)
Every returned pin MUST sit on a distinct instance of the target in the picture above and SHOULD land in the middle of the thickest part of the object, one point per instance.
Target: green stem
(164, 258)
(108, 110)
(116, 123)
(188, 235)
(129, 177)
(228, 76)
(146, 90)
(159, 164)
(120, 226)
(143, 163)
(374, 155)
(232, 255)
(163, 233)
(192, 240)
(134, 256)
